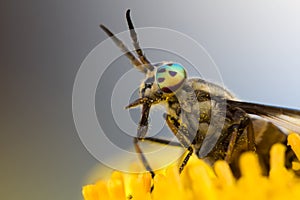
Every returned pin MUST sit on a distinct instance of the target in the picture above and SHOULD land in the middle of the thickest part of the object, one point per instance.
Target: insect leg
(236, 130)
(142, 156)
(143, 124)
(142, 131)
(162, 141)
(180, 132)
(124, 49)
(186, 159)
(232, 141)
(136, 45)
(155, 140)
(143, 100)
(180, 137)
(251, 136)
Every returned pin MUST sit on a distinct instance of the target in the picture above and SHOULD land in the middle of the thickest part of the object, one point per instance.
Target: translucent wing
(285, 117)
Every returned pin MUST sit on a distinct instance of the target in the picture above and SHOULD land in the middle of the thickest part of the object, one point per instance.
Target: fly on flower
(205, 118)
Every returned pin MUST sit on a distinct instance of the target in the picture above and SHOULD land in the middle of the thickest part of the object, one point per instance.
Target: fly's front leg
(143, 125)
(155, 140)
(142, 156)
(181, 134)
(142, 131)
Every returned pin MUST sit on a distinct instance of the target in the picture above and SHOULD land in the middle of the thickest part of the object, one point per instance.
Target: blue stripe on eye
(160, 80)
(172, 73)
(161, 70)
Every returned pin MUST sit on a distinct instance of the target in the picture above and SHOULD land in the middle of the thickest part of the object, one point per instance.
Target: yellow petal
(200, 181)
(137, 186)
(294, 142)
(224, 173)
(116, 186)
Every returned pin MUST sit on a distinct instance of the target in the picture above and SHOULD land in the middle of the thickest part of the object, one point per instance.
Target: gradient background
(255, 44)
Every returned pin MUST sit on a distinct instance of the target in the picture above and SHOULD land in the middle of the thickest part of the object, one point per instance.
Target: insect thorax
(197, 105)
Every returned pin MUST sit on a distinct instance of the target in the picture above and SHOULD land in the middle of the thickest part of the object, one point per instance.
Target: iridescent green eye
(170, 77)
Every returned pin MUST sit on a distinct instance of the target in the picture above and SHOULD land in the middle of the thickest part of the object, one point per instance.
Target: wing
(285, 117)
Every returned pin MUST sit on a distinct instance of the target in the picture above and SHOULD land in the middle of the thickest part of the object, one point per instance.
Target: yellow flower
(200, 181)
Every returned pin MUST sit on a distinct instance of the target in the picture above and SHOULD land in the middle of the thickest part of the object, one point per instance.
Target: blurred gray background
(255, 44)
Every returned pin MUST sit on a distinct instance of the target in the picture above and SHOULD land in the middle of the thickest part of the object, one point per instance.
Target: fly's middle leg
(236, 130)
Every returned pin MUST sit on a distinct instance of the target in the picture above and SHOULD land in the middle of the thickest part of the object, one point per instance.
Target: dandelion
(200, 181)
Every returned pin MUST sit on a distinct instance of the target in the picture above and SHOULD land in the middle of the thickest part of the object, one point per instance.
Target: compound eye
(170, 77)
